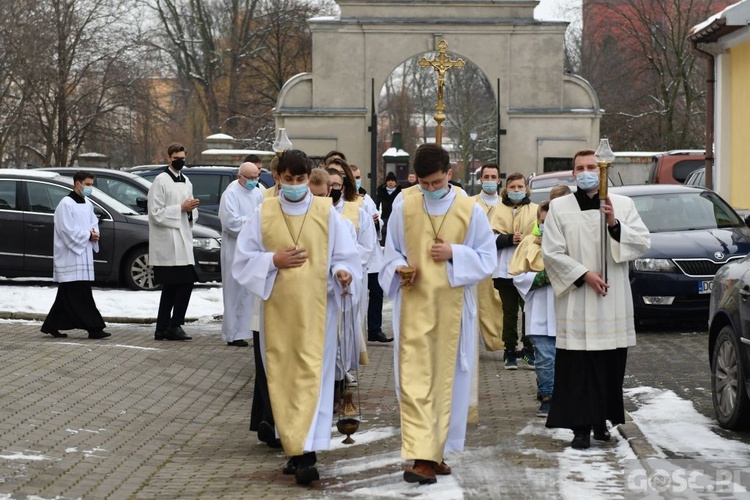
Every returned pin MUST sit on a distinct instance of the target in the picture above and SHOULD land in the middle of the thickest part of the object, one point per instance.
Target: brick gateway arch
(546, 113)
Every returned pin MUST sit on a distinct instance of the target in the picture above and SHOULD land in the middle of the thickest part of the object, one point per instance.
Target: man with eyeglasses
(238, 203)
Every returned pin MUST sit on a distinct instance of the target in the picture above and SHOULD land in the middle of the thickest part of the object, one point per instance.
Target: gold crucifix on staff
(441, 63)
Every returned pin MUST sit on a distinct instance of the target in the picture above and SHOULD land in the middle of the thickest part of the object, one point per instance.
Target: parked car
(542, 184)
(28, 199)
(729, 345)
(209, 182)
(697, 178)
(694, 232)
(132, 190)
(673, 167)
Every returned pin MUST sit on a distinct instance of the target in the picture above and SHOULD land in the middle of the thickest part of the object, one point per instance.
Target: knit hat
(390, 177)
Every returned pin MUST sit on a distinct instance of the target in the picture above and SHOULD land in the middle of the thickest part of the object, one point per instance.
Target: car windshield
(113, 203)
(686, 211)
(552, 181)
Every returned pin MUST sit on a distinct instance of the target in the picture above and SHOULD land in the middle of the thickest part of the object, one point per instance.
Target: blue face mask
(251, 184)
(359, 183)
(489, 187)
(294, 192)
(516, 197)
(587, 180)
(434, 195)
(87, 190)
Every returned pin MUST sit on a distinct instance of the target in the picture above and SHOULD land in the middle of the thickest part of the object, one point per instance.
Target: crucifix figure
(441, 63)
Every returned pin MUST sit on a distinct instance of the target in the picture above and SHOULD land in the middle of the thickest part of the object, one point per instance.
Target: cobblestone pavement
(129, 417)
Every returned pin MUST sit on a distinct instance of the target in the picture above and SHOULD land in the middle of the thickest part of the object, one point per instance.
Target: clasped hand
(441, 250)
(94, 235)
(290, 257)
(190, 204)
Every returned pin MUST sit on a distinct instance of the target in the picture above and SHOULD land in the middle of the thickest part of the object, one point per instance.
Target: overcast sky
(556, 9)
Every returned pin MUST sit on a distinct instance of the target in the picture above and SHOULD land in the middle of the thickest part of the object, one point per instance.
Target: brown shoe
(442, 469)
(423, 472)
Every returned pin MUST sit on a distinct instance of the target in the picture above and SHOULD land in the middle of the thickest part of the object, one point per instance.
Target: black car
(209, 182)
(28, 199)
(729, 345)
(694, 232)
(132, 190)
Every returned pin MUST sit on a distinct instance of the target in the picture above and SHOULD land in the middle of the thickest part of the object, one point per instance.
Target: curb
(108, 319)
(635, 438)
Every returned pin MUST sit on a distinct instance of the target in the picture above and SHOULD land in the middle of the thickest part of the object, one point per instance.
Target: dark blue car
(729, 345)
(694, 232)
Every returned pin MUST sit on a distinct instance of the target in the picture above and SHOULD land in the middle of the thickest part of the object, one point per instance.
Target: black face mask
(178, 163)
(335, 195)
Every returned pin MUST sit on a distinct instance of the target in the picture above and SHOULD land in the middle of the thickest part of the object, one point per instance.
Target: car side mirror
(142, 202)
(747, 221)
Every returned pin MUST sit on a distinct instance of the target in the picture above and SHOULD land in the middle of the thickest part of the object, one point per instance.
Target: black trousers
(74, 307)
(261, 408)
(375, 305)
(512, 302)
(173, 305)
(588, 388)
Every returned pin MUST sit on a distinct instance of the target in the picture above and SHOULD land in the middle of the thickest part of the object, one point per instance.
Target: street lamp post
(473, 136)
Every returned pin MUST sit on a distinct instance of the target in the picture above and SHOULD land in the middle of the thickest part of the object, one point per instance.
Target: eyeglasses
(336, 186)
(249, 178)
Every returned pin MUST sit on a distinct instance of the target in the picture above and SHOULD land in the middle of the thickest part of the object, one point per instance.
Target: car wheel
(137, 273)
(731, 403)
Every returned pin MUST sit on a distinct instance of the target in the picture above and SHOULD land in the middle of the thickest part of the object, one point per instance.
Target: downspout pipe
(710, 106)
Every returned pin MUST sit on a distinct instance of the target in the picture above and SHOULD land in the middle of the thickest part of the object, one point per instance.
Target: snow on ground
(205, 303)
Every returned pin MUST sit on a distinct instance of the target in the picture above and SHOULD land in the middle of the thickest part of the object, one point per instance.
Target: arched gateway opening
(544, 112)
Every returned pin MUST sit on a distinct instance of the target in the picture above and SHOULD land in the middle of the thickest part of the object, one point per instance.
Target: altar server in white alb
(446, 238)
(297, 254)
(238, 203)
(594, 318)
(76, 239)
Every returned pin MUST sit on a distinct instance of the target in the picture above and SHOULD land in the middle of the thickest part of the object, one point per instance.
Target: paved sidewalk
(129, 417)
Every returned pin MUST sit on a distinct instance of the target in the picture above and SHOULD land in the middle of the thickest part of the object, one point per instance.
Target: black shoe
(581, 440)
(175, 333)
(601, 433)
(274, 443)
(378, 337)
(57, 334)
(306, 475)
(291, 466)
(238, 343)
(159, 334)
(266, 432)
(99, 334)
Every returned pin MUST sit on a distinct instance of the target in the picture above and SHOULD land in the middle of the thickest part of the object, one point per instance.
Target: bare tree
(637, 56)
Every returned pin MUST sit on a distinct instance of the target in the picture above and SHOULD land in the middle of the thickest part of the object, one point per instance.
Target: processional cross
(441, 63)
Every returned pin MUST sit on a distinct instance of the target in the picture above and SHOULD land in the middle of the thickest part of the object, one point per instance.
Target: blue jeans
(544, 351)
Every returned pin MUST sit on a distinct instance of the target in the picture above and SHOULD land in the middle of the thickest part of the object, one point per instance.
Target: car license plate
(705, 286)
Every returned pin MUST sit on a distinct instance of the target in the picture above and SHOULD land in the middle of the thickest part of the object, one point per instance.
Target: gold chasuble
(269, 192)
(295, 319)
(351, 213)
(527, 257)
(488, 301)
(505, 221)
(430, 327)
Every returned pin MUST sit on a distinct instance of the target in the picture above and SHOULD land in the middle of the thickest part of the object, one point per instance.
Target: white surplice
(352, 338)
(538, 307)
(587, 321)
(473, 261)
(74, 252)
(170, 234)
(236, 207)
(255, 270)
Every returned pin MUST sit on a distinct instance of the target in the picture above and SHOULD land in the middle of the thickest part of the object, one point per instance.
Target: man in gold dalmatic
(447, 241)
(297, 254)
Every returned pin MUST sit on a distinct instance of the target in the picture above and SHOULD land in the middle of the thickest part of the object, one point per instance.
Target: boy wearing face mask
(530, 278)
(297, 254)
(172, 210)
(76, 240)
(444, 240)
(512, 221)
(488, 300)
(386, 195)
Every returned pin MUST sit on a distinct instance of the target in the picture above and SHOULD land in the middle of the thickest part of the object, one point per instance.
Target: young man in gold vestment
(297, 255)
(444, 240)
